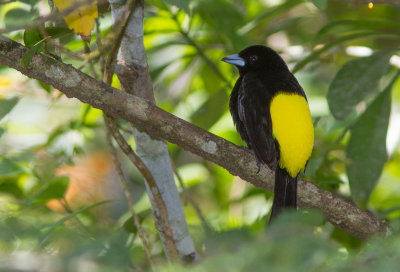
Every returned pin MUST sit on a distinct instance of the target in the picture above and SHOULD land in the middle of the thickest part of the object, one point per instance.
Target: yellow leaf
(81, 20)
(115, 82)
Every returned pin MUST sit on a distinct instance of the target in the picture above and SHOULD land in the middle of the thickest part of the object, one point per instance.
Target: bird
(270, 111)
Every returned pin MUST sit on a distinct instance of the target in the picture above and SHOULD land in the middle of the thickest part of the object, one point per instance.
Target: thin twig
(99, 45)
(64, 203)
(128, 196)
(162, 217)
(91, 65)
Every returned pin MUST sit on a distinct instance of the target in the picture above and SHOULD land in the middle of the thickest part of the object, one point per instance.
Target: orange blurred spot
(87, 181)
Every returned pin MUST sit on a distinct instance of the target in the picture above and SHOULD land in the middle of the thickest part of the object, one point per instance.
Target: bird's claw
(255, 156)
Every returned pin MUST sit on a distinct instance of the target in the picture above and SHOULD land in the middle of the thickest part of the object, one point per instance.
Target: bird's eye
(253, 58)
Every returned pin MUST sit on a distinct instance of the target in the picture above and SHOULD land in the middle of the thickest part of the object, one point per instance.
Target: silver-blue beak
(234, 59)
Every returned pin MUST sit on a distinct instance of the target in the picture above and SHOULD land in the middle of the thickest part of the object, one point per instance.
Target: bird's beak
(234, 59)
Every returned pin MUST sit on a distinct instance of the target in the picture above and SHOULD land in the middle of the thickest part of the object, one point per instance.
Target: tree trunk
(133, 73)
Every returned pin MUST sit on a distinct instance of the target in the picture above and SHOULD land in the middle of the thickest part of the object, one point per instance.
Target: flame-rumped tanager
(271, 113)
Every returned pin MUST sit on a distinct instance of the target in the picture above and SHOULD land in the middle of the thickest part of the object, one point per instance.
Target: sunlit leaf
(366, 150)
(354, 81)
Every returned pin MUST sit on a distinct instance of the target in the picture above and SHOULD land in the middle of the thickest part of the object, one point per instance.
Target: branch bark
(159, 123)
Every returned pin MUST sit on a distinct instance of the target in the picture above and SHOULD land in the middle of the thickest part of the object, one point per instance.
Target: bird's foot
(255, 156)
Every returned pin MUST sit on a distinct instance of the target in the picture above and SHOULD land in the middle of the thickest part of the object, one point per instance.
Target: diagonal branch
(163, 216)
(128, 195)
(159, 123)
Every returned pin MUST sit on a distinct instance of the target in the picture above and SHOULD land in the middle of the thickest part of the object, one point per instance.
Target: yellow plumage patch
(292, 127)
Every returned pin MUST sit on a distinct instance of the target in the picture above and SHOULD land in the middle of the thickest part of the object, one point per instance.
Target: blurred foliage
(56, 175)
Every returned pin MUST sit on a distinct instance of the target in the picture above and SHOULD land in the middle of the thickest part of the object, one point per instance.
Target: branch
(163, 223)
(124, 182)
(161, 219)
(135, 79)
(159, 123)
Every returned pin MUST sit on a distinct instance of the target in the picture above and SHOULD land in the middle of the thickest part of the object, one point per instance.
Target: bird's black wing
(234, 109)
(253, 109)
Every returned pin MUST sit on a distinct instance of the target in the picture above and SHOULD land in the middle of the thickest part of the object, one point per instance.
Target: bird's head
(257, 58)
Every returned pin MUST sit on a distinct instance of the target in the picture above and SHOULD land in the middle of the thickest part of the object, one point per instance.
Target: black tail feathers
(285, 192)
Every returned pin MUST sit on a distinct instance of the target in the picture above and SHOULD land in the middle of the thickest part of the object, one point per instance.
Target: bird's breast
(293, 129)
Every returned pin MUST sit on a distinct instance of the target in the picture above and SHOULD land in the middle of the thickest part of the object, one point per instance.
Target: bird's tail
(285, 192)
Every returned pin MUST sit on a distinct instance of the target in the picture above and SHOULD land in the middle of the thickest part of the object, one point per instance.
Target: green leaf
(351, 25)
(58, 31)
(182, 4)
(350, 37)
(6, 105)
(267, 15)
(366, 149)
(27, 58)
(19, 18)
(321, 4)
(58, 223)
(30, 2)
(11, 187)
(225, 18)
(354, 81)
(56, 188)
(32, 36)
(45, 87)
(210, 112)
(9, 169)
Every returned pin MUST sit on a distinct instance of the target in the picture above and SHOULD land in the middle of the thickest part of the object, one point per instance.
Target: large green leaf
(8, 168)
(366, 150)
(354, 81)
(225, 19)
(321, 4)
(342, 26)
(27, 57)
(210, 112)
(267, 15)
(32, 37)
(56, 188)
(341, 40)
(6, 105)
(49, 228)
(182, 4)
(19, 18)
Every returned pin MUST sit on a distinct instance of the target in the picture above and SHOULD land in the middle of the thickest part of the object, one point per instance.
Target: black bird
(270, 111)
